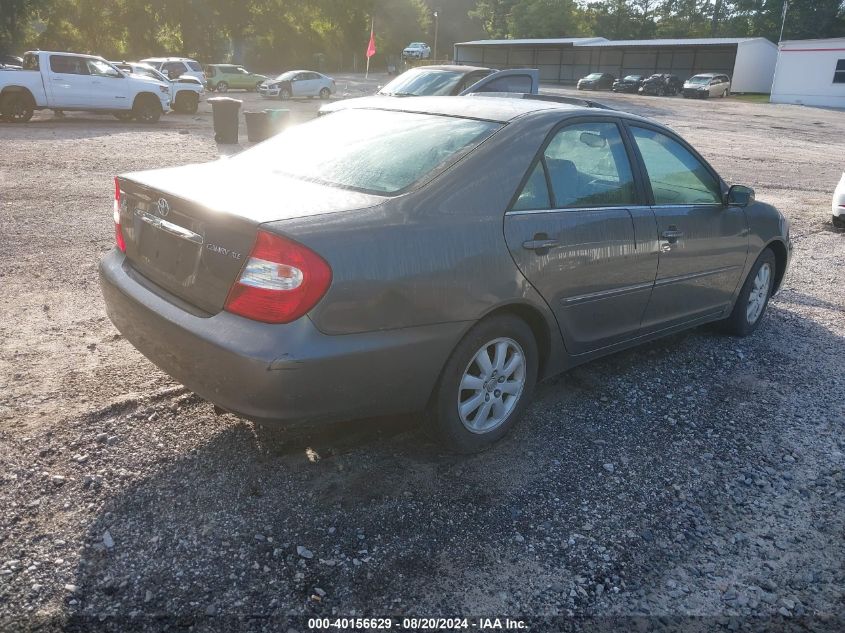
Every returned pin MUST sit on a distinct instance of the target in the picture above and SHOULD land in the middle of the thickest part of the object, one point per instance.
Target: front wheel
(222, 86)
(284, 94)
(325, 93)
(485, 386)
(724, 94)
(754, 297)
(147, 110)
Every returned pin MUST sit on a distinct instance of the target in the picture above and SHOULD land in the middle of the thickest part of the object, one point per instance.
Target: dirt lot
(696, 476)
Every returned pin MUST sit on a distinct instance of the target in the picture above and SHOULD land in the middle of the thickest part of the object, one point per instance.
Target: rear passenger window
(839, 74)
(676, 176)
(588, 166)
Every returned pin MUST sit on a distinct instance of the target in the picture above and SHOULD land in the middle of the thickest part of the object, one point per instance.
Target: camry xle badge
(163, 207)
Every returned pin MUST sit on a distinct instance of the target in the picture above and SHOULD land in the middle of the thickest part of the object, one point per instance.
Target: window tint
(839, 75)
(67, 65)
(509, 83)
(176, 68)
(30, 62)
(195, 66)
(376, 151)
(588, 167)
(535, 193)
(101, 69)
(677, 177)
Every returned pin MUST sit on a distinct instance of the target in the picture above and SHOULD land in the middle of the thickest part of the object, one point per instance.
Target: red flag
(371, 47)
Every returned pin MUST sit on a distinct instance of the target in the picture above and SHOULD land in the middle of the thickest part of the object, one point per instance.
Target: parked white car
(706, 85)
(174, 67)
(298, 83)
(839, 204)
(417, 50)
(68, 81)
(185, 92)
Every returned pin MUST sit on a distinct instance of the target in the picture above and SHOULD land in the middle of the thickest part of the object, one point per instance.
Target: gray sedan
(436, 255)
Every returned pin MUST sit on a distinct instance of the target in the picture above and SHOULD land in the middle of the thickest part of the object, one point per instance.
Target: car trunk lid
(190, 229)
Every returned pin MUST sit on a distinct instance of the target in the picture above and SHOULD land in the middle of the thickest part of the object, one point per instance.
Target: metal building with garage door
(749, 62)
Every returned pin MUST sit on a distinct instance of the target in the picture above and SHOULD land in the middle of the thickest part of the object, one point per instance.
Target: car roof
(707, 74)
(493, 108)
(452, 68)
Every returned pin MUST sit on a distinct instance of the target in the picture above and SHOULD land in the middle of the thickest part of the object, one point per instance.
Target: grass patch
(752, 98)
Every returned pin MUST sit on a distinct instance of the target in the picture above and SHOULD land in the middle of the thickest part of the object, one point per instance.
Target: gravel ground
(695, 482)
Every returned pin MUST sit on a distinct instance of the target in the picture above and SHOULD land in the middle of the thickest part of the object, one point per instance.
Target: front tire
(754, 297)
(147, 109)
(325, 93)
(284, 94)
(222, 86)
(485, 386)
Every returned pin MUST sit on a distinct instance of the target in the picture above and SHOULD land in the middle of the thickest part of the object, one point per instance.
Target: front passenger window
(676, 176)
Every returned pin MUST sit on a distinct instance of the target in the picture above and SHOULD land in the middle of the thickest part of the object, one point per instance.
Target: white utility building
(811, 72)
(748, 61)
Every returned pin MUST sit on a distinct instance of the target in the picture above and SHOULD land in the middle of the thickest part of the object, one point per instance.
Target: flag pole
(372, 30)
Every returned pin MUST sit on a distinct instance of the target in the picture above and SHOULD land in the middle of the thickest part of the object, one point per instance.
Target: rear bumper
(289, 373)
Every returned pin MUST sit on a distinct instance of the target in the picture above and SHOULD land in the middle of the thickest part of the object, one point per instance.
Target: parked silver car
(436, 254)
(707, 85)
(298, 83)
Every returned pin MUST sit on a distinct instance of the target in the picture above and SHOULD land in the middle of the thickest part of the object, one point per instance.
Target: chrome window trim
(630, 207)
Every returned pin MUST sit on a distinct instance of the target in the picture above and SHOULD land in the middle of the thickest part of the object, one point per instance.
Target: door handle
(539, 245)
(672, 235)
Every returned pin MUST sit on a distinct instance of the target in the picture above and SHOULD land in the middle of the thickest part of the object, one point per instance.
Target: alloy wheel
(759, 294)
(491, 385)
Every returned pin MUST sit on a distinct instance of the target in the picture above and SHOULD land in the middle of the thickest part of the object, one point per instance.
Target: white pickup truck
(67, 81)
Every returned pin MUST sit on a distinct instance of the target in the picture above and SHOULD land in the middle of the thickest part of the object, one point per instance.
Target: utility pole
(435, 34)
(783, 20)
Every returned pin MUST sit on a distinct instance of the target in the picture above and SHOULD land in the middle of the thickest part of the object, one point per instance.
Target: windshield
(593, 76)
(375, 151)
(698, 79)
(288, 75)
(423, 82)
(633, 78)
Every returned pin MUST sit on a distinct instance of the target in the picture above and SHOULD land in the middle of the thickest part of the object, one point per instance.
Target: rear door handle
(539, 245)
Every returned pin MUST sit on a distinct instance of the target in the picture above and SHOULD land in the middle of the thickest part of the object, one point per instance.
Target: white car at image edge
(417, 50)
(839, 204)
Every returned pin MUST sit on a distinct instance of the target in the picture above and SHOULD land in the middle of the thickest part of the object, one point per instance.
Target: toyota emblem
(163, 207)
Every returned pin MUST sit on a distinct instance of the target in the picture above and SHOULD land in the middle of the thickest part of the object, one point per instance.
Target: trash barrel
(257, 126)
(225, 113)
(277, 119)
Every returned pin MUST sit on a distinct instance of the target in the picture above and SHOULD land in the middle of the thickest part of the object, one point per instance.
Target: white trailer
(811, 72)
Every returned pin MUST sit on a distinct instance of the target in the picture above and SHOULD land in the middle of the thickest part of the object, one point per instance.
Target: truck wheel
(17, 108)
(147, 109)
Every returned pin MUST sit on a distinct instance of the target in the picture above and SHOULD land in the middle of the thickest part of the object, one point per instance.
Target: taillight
(118, 234)
(280, 281)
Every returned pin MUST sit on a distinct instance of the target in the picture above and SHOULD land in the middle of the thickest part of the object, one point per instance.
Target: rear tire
(17, 108)
(724, 94)
(838, 221)
(325, 93)
(222, 86)
(500, 388)
(147, 109)
(754, 297)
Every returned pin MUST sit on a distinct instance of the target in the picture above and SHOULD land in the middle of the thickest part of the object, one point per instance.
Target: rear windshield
(699, 79)
(374, 151)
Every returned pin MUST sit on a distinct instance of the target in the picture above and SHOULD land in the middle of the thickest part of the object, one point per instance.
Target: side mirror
(739, 196)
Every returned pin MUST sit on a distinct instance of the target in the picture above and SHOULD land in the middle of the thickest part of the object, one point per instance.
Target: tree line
(332, 34)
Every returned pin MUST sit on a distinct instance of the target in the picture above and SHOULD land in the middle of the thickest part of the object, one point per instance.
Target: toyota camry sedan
(437, 255)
